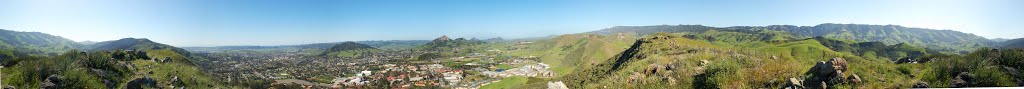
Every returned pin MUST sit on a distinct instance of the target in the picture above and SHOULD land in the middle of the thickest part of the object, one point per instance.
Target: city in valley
(458, 63)
(511, 44)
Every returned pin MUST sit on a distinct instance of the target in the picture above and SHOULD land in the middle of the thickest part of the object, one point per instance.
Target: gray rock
(139, 83)
(794, 83)
(921, 84)
(854, 79)
(52, 82)
(964, 79)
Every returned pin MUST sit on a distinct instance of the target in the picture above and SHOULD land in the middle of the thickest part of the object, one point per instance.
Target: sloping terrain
(1014, 43)
(946, 41)
(666, 60)
(124, 63)
(348, 49)
(33, 43)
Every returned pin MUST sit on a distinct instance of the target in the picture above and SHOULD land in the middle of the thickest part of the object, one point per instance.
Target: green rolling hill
(694, 56)
(33, 43)
(349, 49)
(946, 41)
(109, 64)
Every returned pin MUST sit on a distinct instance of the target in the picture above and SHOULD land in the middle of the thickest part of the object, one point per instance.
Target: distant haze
(288, 22)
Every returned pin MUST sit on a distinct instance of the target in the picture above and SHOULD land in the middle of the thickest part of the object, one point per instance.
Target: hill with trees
(33, 43)
(779, 56)
(124, 63)
(946, 41)
(1014, 43)
(445, 43)
(348, 49)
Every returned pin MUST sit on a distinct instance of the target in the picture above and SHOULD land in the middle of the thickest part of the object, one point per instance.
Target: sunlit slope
(110, 64)
(668, 60)
(33, 43)
(568, 52)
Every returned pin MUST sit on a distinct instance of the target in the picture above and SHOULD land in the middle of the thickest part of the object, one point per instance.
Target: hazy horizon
(198, 23)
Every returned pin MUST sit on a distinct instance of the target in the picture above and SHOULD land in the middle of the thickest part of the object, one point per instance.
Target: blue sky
(287, 22)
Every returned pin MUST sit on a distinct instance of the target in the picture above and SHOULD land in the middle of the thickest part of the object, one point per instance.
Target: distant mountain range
(943, 40)
(380, 44)
(692, 56)
(1014, 43)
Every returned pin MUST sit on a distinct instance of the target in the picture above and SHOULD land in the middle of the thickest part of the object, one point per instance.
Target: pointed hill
(349, 49)
(344, 46)
(443, 43)
(141, 44)
(443, 46)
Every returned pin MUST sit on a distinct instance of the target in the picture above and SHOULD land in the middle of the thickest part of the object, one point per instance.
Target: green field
(506, 83)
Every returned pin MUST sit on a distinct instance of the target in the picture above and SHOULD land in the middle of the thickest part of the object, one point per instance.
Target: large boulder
(855, 79)
(964, 79)
(652, 69)
(557, 85)
(921, 84)
(906, 60)
(139, 83)
(794, 83)
(830, 72)
(831, 68)
(52, 82)
(176, 81)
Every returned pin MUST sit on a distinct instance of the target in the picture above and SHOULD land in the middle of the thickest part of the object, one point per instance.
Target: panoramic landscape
(266, 44)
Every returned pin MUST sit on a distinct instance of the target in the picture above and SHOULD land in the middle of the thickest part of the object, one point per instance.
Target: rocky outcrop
(964, 79)
(557, 85)
(794, 83)
(825, 73)
(139, 83)
(855, 79)
(166, 59)
(176, 82)
(834, 67)
(445, 43)
(906, 60)
(921, 84)
(52, 82)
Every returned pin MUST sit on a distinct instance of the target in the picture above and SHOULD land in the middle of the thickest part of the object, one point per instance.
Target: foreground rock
(140, 83)
(964, 79)
(825, 73)
(557, 85)
(52, 82)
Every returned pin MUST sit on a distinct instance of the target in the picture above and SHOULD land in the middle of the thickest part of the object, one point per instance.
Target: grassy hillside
(983, 67)
(33, 43)
(568, 52)
(946, 41)
(109, 64)
(102, 70)
(444, 43)
(1014, 43)
(349, 49)
(671, 60)
(942, 40)
(135, 44)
